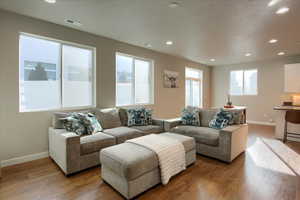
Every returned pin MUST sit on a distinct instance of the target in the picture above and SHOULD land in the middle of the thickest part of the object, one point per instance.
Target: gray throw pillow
(57, 121)
(108, 118)
(206, 115)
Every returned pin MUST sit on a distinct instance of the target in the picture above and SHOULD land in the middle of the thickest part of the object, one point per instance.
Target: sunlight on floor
(263, 157)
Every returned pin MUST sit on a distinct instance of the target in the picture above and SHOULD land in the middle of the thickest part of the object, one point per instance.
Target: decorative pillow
(139, 117)
(57, 119)
(221, 120)
(206, 115)
(108, 118)
(190, 117)
(91, 123)
(148, 116)
(73, 123)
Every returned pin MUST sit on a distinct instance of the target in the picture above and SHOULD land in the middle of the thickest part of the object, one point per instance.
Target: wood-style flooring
(257, 174)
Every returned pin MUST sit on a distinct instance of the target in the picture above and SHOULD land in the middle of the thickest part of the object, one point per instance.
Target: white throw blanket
(170, 153)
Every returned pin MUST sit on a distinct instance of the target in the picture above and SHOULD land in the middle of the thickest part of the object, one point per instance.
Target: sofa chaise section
(225, 144)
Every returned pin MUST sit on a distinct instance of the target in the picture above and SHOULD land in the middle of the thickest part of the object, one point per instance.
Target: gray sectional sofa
(225, 144)
(74, 153)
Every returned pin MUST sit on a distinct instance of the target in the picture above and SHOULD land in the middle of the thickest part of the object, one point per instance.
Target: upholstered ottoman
(132, 169)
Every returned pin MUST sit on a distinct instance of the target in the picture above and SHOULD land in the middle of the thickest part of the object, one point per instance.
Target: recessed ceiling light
(273, 2)
(73, 22)
(281, 53)
(282, 10)
(212, 60)
(272, 41)
(50, 1)
(248, 54)
(173, 5)
(169, 42)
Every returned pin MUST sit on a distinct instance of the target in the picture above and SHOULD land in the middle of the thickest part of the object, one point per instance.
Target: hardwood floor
(258, 174)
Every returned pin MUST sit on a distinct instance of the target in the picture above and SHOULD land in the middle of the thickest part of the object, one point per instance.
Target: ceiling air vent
(73, 22)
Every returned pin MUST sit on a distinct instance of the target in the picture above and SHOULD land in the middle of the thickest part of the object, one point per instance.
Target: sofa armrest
(64, 149)
(171, 123)
(233, 140)
(158, 122)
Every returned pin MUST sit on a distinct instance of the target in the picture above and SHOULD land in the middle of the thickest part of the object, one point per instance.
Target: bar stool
(291, 116)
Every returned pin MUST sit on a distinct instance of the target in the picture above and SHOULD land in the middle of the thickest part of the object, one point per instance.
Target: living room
(109, 57)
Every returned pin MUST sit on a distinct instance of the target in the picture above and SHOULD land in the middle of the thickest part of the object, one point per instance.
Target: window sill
(135, 105)
(241, 95)
(59, 109)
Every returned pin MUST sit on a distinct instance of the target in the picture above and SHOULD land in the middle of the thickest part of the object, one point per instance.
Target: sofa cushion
(206, 115)
(123, 133)
(96, 142)
(108, 118)
(203, 135)
(149, 129)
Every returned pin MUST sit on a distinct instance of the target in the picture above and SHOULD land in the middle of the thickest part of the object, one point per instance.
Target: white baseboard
(261, 123)
(23, 159)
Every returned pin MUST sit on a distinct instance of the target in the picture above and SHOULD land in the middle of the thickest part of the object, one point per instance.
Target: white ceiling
(200, 29)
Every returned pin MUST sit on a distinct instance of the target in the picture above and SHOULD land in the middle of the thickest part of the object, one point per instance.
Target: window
(193, 87)
(134, 80)
(55, 75)
(243, 82)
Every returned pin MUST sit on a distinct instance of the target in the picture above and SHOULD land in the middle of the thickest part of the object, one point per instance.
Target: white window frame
(62, 42)
(133, 80)
(196, 79)
(243, 83)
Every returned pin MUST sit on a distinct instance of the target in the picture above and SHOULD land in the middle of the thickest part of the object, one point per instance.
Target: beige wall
(270, 87)
(26, 133)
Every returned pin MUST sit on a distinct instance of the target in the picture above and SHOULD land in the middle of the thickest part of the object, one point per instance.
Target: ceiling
(201, 29)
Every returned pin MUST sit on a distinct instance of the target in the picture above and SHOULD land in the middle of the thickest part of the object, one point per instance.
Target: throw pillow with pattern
(91, 123)
(139, 117)
(221, 120)
(190, 117)
(148, 113)
(73, 123)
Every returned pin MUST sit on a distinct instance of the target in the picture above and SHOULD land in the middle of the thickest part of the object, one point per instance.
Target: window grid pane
(39, 74)
(125, 80)
(243, 82)
(193, 94)
(236, 82)
(142, 82)
(41, 64)
(134, 81)
(77, 76)
(250, 82)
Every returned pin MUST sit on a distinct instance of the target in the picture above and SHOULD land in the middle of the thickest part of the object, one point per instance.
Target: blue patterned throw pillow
(91, 123)
(139, 117)
(82, 124)
(221, 120)
(190, 117)
(73, 123)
